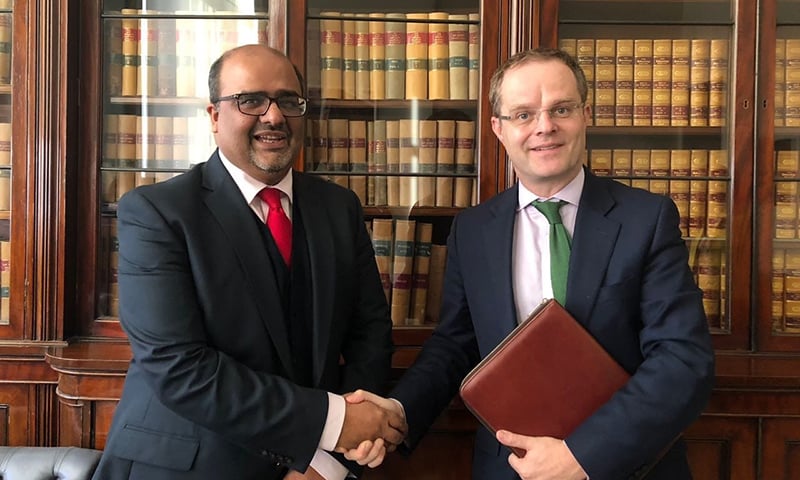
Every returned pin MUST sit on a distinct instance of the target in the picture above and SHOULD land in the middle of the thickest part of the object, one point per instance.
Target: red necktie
(279, 224)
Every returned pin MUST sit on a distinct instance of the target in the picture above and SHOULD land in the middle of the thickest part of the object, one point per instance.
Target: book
(186, 61)
(348, 57)
(319, 139)
(445, 161)
(382, 237)
(402, 269)
(698, 193)
(377, 57)
(533, 385)
(465, 163)
(780, 82)
(792, 79)
(438, 57)
(370, 163)
(600, 162)
(380, 159)
(679, 89)
(114, 58)
(699, 82)
(680, 166)
(662, 81)
(363, 62)
(330, 34)
(5, 143)
(474, 49)
(357, 157)
(433, 302)
(395, 40)
(167, 58)
(642, 82)
(623, 102)
(777, 288)
(409, 161)
(604, 81)
(586, 59)
(569, 46)
(339, 149)
(130, 51)
(393, 162)
(640, 162)
(717, 209)
(458, 38)
(708, 279)
(426, 184)
(718, 83)
(621, 163)
(147, 82)
(417, 56)
(419, 282)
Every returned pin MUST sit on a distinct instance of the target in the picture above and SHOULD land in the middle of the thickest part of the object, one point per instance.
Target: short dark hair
(216, 68)
(538, 54)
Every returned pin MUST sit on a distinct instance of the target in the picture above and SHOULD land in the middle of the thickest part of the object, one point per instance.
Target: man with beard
(251, 298)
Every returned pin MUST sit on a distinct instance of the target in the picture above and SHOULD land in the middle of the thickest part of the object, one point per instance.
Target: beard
(275, 162)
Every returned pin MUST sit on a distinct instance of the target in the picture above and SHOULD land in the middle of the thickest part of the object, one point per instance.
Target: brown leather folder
(544, 379)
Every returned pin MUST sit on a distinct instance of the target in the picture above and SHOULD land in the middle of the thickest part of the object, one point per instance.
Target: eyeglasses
(558, 112)
(257, 104)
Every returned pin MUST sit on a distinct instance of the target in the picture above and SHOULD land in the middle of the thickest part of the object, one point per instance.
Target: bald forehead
(258, 61)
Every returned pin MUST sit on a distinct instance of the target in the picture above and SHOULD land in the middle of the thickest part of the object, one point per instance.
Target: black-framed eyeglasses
(258, 103)
(558, 112)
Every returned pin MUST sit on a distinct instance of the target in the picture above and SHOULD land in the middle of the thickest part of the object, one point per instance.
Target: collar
(571, 193)
(249, 186)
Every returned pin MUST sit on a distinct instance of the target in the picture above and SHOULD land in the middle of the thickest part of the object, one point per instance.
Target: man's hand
(372, 449)
(545, 458)
(310, 474)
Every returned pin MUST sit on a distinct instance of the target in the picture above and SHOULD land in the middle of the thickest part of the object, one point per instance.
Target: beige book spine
(348, 57)
(147, 84)
(605, 79)
(792, 101)
(402, 270)
(474, 55)
(600, 162)
(699, 82)
(718, 163)
(433, 303)
(409, 161)
(330, 52)
(438, 57)
(319, 139)
(339, 149)
(426, 184)
(718, 83)
(380, 158)
(357, 156)
(108, 188)
(780, 82)
(586, 59)
(393, 162)
(130, 51)
(787, 164)
(662, 81)
(623, 102)
(382, 236)
(569, 45)
(6, 30)
(717, 213)
(445, 161)
(395, 56)
(370, 163)
(679, 91)
(659, 163)
(642, 82)
(640, 160)
(126, 147)
(377, 57)
(791, 306)
(5, 143)
(185, 51)
(698, 193)
(420, 277)
(114, 58)
(5, 190)
(708, 279)
(458, 38)
(363, 64)
(163, 143)
(777, 288)
(621, 163)
(786, 210)
(465, 163)
(5, 282)
(417, 56)
(167, 58)
(679, 193)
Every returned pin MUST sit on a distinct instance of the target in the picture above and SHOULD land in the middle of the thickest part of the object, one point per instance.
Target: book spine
(167, 58)
(370, 163)
(780, 82)
(402, 270)
(5, 282)
(380, 162)
(600, 162)
(338, 149)
(395, 57)
(185, 45)
(130, 51)
(708, 279)
(426, 185)
(791, 305)
(417, 56)
(699, 82)
(786, 210)
(445, 161)
(393, 162)
(5, 143)
(382, 235)
(438, 57)
(474, 55)
(458, 38)
(679, 92)
(433, 303)
(662, 80)
(718, 83)
(319, 139)
(698, 193)
(569, 46)
(465, 163)
(643, 82)
(377, 57)
(114, 59)
(6, 30)
(363, 63)
(778, 266)
(717, 211)
(623, 102)
(586, 59)
(357, 157)
(680, 166)
(787, 164)
(148, 57)
(792, 101)
(348, 58)
(409, 161)
(330, 33)
(621, 163)
(422, 265)
(640, 160)
(605, 80)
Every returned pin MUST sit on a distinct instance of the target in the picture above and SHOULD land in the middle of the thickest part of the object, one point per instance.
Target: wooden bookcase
(63, 356)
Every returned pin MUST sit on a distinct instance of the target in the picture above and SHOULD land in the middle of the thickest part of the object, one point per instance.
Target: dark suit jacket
(209, 393)
(629, 285)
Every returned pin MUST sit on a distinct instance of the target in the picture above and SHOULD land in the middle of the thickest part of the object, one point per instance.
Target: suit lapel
(321, 254)
(224, 199)
(498, 237)
(593, 243)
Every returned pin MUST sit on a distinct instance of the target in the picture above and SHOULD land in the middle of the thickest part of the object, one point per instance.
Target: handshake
(379, 420)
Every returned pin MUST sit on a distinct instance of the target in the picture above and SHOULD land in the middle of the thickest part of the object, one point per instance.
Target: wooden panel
(440, 456)
(15, 403)
(723, 448)
(103, 414)
(781, 449)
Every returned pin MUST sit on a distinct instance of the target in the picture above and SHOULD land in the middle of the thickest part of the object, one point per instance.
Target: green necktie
(559, 248)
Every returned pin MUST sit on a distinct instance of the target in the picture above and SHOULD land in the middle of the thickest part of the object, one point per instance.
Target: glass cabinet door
(156, 55)
(661, 82)
(394, 95)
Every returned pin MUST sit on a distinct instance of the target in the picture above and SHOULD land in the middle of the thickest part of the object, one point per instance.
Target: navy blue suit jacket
(210, 393)
(629, 284)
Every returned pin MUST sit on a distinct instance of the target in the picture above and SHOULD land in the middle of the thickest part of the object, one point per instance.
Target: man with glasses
(627, 282)
(252, 301)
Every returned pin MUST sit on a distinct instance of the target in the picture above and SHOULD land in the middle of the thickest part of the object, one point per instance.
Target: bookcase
(82, 133)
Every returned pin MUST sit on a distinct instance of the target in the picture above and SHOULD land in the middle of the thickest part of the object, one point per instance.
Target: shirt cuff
(333, 423)
(328, 467)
